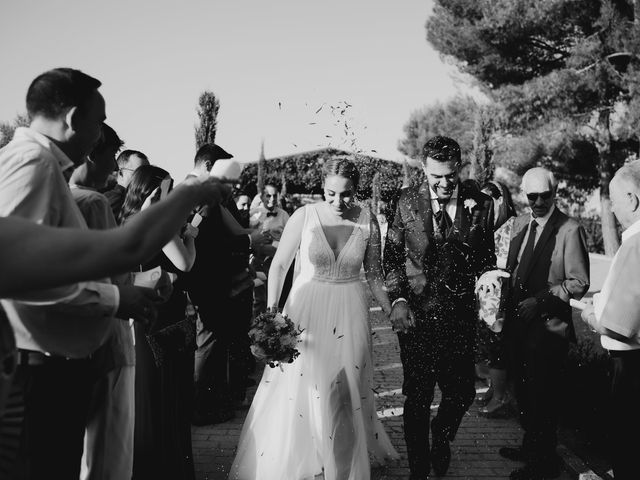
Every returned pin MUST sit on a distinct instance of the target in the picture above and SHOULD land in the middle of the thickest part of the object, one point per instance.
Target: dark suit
(436, 273)
(221, 370)
(538, 348)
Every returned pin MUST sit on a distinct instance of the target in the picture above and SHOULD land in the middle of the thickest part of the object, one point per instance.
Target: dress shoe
(483, 398)
(440, 455)
(535, 472)
(513, 453)
(499, 409)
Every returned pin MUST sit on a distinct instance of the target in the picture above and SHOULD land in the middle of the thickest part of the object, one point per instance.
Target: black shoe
(513, 453)
(533, 472)
(440, 455)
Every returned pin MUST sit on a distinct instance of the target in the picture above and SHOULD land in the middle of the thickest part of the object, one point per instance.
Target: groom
(440, 241)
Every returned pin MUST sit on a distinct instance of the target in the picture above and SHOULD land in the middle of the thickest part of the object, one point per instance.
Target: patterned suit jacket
(410, 245)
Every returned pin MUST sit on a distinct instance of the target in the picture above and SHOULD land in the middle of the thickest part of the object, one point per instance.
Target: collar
(27, 133)
(542, 221)
(633, 229)
(454, 195)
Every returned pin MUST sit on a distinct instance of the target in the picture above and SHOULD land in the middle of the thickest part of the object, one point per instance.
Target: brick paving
(474, 451)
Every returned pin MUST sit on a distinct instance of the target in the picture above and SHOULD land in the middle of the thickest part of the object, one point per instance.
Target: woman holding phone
(164, 351)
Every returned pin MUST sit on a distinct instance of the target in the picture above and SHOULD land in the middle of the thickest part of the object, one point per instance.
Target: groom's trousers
(427, 360)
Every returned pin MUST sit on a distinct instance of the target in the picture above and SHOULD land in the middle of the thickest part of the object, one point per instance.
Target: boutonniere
(469, 204)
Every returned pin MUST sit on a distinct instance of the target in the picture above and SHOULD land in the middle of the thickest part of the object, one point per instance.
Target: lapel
(461, 222)
(425, 210)
(548, 230)
(519, 231)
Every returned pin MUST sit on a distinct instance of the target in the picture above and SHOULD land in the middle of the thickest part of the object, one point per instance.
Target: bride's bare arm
(373, 266)
(286, 252)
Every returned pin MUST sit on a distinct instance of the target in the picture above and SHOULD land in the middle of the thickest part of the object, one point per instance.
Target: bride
(317, 416)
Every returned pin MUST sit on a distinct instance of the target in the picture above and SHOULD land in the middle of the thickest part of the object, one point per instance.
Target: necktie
(442, 217)
(272, 214)
(527, 255)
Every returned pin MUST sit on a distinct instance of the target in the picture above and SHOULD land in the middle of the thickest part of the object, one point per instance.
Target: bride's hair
(342, 167)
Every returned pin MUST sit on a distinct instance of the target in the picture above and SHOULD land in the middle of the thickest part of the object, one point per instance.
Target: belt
(32, 357)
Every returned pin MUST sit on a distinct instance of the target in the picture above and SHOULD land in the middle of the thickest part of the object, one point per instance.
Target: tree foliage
(303, 172)
(205, 130)
(568, 66)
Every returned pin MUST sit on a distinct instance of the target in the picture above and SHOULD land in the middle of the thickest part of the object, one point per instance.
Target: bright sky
(273, 64)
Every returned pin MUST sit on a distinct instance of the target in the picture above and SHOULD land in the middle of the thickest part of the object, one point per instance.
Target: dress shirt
(452, 205)
(617, 306)
(542, 222)
(260, 220)
(74, 320)
(97, 213)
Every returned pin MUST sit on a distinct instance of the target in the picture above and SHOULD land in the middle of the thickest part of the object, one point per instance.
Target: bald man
(615, 315)
(549, 265)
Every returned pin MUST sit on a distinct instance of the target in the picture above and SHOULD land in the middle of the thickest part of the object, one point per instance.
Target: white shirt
(259, 220)
(74, 320)
(542, 222)
(617, 306)
(452, 204)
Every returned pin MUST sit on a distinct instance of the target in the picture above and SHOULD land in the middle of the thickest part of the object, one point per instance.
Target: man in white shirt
(58, 329)
(615, 315)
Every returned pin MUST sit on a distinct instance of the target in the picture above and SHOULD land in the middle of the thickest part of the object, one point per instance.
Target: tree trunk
(481, 166)
(610, 237)
(261, 172)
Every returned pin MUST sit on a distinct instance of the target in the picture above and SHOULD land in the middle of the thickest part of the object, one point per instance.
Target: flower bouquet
(274, 338)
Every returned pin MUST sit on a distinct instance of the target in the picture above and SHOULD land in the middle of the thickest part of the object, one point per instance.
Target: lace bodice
(317, 259)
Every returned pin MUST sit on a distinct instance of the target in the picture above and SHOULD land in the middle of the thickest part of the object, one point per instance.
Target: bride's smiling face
(339, 193)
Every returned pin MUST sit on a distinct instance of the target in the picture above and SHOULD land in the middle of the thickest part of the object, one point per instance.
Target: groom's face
(443, 177)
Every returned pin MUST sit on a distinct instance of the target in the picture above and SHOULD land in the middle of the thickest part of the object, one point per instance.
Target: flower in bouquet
(274, 338)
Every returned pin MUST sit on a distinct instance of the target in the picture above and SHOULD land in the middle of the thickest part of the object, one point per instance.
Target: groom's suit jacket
(419, 269)
(560, 272)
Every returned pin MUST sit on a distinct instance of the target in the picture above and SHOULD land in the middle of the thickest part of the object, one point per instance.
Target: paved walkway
(474, 452)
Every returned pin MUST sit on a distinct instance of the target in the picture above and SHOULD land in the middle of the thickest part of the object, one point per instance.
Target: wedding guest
(58, 332)
(242, 204)
(219, 249)
(164, 352)
(127, 163)
(269, 218)
(497, 400)
(73, 254)
(108, 448)
(615, 315)
(440, 240)
(549, 264)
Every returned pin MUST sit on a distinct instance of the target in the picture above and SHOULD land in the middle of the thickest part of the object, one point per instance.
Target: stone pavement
(474, 451)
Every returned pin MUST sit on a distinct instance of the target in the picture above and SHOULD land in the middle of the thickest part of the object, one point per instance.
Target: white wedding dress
(318, 415)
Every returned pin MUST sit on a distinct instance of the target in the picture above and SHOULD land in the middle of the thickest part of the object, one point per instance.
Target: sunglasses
(543, 195)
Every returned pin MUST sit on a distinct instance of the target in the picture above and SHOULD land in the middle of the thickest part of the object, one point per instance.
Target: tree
(552, 62)
(261, 170)
(8, 128)
(208, 106)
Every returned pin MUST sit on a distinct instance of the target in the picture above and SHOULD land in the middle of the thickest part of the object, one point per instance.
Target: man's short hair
(108, 138)
(210, 152)
(442, 149)
(272, 185)
(124, 156)
(52, 93)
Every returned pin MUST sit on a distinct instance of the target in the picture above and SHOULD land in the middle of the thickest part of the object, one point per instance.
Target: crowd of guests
(109, 375)
(130, 301)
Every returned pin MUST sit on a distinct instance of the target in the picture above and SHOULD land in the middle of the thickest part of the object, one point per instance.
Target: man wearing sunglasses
(549, 265)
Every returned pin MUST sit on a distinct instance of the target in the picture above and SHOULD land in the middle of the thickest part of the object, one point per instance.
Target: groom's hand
(401, 317)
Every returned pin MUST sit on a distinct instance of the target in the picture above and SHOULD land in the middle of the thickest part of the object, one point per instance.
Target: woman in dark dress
(164, 353)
